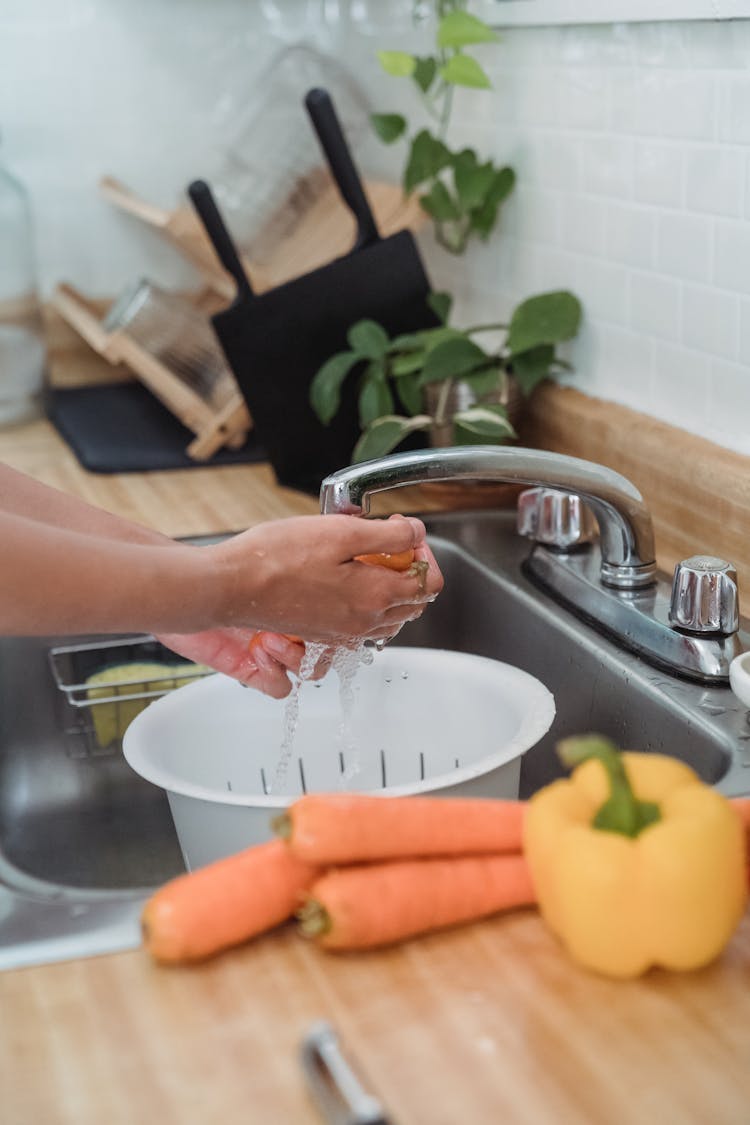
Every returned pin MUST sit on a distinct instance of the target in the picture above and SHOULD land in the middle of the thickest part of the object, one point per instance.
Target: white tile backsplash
(714, 180)
(631, 144)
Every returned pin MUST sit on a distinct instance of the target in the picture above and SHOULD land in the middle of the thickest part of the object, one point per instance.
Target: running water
(313, 652)
(345, 660)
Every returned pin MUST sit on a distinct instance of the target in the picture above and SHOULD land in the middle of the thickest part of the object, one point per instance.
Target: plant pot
(461, 396)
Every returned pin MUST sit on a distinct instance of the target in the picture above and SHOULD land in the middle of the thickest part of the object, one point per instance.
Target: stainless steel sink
(83, 839)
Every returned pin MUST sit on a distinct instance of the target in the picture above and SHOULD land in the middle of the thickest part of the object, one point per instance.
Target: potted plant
(442, 381)
(460, 191)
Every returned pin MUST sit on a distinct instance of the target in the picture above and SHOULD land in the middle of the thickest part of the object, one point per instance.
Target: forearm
(57, 581)
(21, 495)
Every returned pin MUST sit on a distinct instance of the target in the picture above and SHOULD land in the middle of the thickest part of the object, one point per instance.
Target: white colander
(422, 720)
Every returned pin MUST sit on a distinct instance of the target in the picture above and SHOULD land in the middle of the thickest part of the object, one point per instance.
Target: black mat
(123, 428)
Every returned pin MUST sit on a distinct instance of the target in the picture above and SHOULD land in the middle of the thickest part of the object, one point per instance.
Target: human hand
(300, 576)
(259, 660)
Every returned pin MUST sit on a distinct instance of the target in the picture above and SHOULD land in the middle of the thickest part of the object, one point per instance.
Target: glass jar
(22, 349)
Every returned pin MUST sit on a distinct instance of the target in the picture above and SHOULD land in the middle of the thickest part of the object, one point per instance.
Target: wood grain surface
(483, 1024)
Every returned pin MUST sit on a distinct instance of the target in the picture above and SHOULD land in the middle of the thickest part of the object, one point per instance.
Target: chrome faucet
(627, 537)
(612, 583)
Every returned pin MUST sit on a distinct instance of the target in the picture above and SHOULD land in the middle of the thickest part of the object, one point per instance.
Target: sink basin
(83, 838)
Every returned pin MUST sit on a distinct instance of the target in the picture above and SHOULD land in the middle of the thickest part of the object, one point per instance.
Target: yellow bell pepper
(630, 877)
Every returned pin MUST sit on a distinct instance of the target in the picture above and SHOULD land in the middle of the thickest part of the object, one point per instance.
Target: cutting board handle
(202, 199)
(319, 105)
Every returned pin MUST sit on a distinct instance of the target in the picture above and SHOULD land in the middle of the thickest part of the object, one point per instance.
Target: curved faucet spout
(626, 532)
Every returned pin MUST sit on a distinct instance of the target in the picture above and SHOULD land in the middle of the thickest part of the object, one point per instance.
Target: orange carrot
(400, 560)
(257, 639)
(224, 903)
(330, 828)
(378, 904)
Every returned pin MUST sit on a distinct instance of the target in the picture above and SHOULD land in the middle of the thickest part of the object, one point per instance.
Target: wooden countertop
(481, 1024)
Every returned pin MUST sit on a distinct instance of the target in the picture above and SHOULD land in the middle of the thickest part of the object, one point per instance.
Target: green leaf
(451, 359)
(385, 434)
(388, 126)
(325, 388)
(368, 339)
(502, 184)
(484, 217)
(375, 398)
(398, 64)
(440, 204)
(410, 394)
(407, 363)
(424, 73)
(488, 421)
(474, 181)
(440, 303)
(485, 380)
(427, 157)
(459, 29)
(532, 367)
(545, 319)
(426, 339)
(463, 70)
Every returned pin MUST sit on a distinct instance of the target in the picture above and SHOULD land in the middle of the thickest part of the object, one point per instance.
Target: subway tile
(729, 405)
(630, 234)
(607, 166)
(659, 174)
(714, 180)
(583, 224)
(680, 385)
(666, 103)
(732, 256)
(537, 215)
(582, 96)
(714, 45)
(655, 307)
(744, 352)
(603, 288)
(711, 320)
(683, 245)
(734, 109)
(551, 160)
(626, 360)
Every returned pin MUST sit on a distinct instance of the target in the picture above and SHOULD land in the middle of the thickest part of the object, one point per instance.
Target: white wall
(631, 144)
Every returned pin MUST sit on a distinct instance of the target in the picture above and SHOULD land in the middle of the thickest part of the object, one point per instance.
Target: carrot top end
(282, 825)
(314, 920)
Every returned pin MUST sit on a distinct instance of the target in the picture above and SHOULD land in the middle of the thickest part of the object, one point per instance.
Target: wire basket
(103, 685)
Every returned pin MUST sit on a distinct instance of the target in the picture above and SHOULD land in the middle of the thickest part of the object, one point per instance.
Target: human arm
(288, 576)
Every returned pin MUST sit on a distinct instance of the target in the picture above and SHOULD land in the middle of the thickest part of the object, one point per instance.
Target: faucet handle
(705, 598)
(557, 519)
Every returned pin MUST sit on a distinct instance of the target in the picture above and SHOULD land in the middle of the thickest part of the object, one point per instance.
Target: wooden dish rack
(325, 232)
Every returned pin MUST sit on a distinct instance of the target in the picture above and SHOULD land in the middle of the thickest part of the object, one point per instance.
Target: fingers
(377, 536)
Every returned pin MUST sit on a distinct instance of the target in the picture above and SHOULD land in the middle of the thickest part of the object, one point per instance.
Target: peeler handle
(336, 1088)
(320, 108)
(201, 197)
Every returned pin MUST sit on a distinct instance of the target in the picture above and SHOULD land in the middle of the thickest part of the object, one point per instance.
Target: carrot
(224, 903)
(400, 560)
(378, 904)
(257, 639)
(330, 828)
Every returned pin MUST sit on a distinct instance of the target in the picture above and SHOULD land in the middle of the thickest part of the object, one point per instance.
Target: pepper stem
(622, 812)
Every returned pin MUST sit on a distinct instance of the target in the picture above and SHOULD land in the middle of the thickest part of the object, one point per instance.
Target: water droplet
(380, 644)
(404, 675)
(388, 679)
